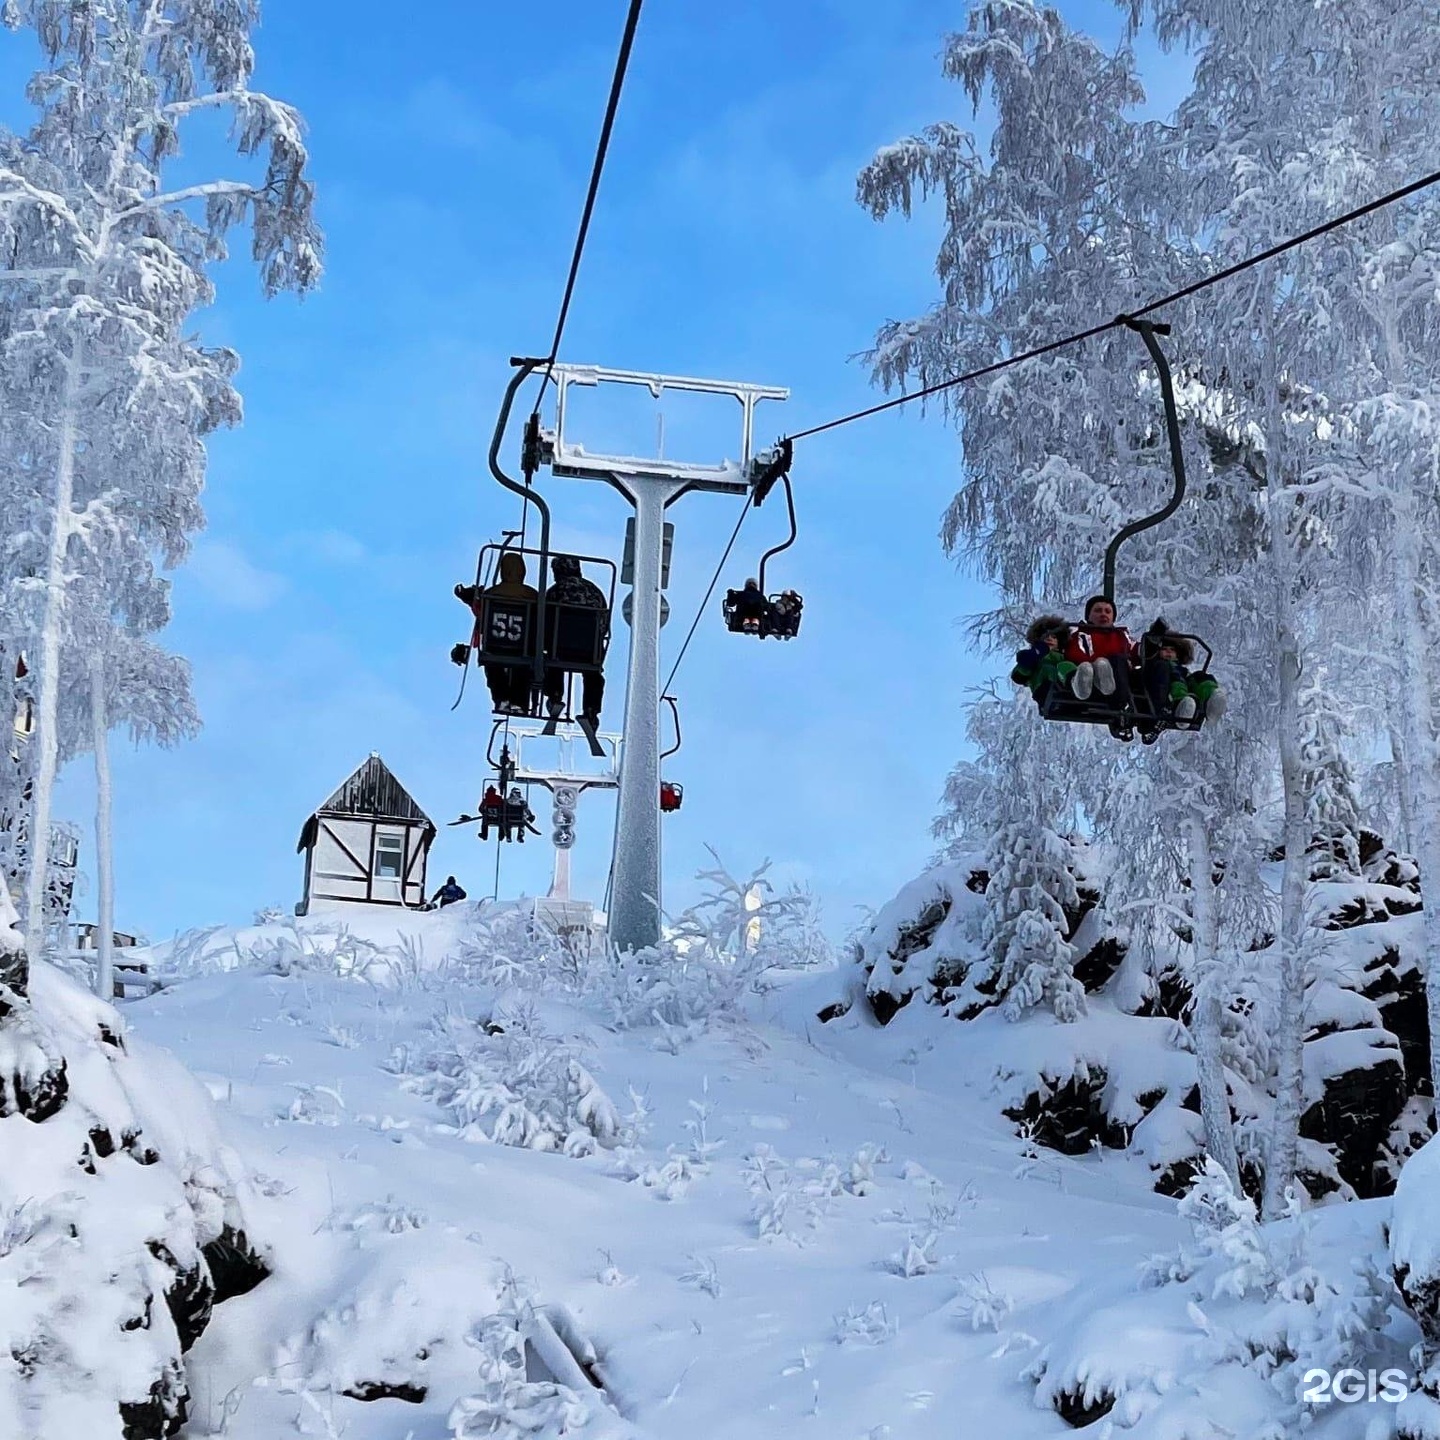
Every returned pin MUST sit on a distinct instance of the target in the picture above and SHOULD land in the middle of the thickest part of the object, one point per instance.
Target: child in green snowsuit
(1171, 685)
(1043, 663)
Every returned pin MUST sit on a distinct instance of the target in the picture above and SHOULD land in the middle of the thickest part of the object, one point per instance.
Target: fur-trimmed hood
(1160, 634)
(1044, 625)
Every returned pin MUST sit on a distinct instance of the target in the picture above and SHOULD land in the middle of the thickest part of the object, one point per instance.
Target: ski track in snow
(704, 1328)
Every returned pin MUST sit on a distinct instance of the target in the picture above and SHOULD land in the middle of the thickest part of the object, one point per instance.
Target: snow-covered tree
(107, 395)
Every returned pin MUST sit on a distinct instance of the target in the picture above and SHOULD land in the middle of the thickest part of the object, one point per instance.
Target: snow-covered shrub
(1244, 1312)
(979, 1305)
(712, 955)
(532, 1377)
(869, 1326)
(515, 1085)
(789, 1197)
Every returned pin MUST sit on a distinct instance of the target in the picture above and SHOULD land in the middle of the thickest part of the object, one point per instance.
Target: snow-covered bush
(512, 1083)
(713, 954)
(1243, 1313)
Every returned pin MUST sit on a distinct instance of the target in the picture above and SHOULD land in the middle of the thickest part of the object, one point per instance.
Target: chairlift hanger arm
(1148, 330)
(524, 368)
(675, 715)
(789, 540)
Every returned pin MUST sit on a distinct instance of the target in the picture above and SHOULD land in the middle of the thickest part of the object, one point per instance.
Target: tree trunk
(1282, 1160)
(1209, 1006)
(1418, 741)
(46, 737)
(104, 857)
(1400, 759)
(1283, 1151)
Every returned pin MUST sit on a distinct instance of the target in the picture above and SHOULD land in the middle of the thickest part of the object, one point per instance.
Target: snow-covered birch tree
(109, 397)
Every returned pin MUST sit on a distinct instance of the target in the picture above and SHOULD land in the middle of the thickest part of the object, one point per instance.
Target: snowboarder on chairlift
(492, 811)
(518, 816)
(448, 893)
(572, 588)
(1042, 664)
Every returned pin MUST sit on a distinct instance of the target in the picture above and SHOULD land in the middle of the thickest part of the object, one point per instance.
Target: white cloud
(230, 579)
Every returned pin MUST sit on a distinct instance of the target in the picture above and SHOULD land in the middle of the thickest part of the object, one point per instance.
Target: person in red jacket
(1103, 654)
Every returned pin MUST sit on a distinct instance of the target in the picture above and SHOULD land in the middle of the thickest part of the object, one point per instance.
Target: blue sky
(451, 145)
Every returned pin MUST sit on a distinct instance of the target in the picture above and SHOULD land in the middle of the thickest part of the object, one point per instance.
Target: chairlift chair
(1060, 704)
(672, 794)
(750, 610)
(507, 627)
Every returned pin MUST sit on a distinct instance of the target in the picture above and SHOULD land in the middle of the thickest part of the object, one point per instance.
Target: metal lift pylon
(651, 486)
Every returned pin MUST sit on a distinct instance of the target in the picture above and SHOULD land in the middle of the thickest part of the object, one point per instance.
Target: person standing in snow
(1042, 663)
(572, 588)
(448, 893)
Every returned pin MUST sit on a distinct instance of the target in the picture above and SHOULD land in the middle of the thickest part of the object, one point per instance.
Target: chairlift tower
(651, 485)
(565, 781)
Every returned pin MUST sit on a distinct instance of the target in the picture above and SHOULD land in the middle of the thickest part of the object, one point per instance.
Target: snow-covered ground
(772, 1227)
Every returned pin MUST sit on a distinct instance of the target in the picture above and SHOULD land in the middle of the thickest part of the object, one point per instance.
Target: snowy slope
(809, 1230)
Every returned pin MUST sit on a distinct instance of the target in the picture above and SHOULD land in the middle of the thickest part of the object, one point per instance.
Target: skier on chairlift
(492, 812)
(785, 614)
(572, 588)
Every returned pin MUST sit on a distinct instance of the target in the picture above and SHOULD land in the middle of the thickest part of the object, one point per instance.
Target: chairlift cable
(1229, 272)
(709, 591)
(617, 83)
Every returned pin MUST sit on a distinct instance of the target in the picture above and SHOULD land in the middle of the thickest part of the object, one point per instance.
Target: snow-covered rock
(116, 1195)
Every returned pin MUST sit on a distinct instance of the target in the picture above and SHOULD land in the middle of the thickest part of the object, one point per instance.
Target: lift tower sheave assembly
(651, 485)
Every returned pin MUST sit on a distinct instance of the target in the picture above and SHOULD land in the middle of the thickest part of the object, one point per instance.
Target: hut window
(389, 856)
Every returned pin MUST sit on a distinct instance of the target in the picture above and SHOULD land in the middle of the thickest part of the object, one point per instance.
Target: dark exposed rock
(832, 1012)
(387, 1390)
(1095, 968)
(1169, 998)
(1399, 991)
(235, 1266)
(162, 1413)
(1069, 1117)
(885, 1006)
(1358, 910)
(36, 1096)
(190, 1298)
(1077, 1412)
(977, 882)
(14, 976)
